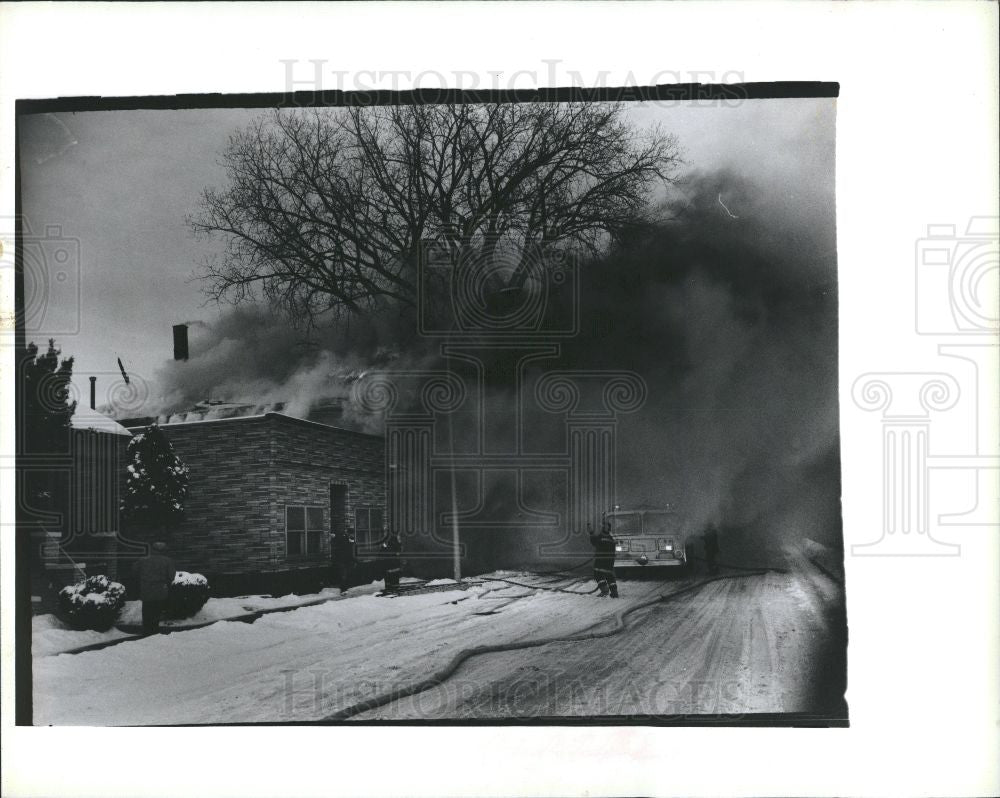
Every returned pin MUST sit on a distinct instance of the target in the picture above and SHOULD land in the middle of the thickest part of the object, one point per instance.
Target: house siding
(243, 473)
(305, 465)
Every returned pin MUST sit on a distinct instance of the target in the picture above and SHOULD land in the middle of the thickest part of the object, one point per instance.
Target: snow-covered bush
(92, 604)
(188, 594)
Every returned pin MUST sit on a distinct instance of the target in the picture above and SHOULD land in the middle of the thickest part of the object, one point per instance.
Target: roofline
(258, 417)
(632, 510)
(199, 421)
(304, 422)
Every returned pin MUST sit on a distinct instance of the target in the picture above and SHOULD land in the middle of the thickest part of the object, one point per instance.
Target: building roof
(86, 419)
(274, 416)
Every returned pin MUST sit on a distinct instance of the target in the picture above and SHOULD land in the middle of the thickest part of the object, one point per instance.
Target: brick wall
(243, 474)
(226, 525)
(309, 457)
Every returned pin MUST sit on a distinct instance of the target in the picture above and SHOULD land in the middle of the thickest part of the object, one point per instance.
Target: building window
(303, 530)
(368, 525)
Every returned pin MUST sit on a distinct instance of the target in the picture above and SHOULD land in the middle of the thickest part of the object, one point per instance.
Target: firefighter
(391, 550)
(604, 559)
(342, 550)
(154, 573)
(711, 541)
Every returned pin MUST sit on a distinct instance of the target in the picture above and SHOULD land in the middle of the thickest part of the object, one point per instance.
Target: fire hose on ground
(565, 572)
(550, 588)
(440, 676)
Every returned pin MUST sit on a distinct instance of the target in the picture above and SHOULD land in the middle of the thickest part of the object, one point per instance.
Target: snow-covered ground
(313, 661)
(51, 636)
(739, 645)
(218, 609)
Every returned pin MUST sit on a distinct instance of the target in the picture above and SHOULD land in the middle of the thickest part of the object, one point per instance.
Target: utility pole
(456, 545)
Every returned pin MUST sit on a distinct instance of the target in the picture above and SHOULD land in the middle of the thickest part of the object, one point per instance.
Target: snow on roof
(85, 418)
(258, 417)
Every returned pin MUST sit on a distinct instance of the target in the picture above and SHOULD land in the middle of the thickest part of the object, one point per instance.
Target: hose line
(440, 676)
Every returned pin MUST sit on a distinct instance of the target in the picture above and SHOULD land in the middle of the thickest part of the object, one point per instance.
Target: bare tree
(328, 210)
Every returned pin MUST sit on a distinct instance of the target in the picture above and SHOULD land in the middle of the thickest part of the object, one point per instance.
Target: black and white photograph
(479, 399)
(433, 411)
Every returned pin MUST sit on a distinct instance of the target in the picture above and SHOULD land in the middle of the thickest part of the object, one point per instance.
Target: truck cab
(648, 539)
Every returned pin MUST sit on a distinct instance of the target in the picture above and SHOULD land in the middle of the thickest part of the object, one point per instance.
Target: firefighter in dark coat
(604, 559)
(155, 573)
(342, 550)
(392, 547)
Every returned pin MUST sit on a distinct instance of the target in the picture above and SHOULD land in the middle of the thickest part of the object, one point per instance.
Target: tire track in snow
(443, 674)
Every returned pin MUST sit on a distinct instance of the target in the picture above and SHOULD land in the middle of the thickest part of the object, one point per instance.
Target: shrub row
(96, 602)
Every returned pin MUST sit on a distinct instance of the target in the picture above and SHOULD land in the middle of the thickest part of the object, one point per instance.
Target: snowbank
(221, 609)
(49, 635)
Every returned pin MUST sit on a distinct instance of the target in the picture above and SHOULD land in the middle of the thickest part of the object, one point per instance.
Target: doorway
(338, 508)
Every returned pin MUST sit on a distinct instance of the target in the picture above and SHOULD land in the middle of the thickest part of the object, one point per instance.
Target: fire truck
(650, 538)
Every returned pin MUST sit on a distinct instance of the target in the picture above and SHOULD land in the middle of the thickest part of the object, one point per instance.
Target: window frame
(305, 531)
(368, 509)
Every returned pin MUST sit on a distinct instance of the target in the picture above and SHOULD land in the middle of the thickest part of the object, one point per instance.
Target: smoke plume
(729, 314)
(255, 358)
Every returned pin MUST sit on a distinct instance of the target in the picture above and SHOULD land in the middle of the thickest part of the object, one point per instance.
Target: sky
(117, 185)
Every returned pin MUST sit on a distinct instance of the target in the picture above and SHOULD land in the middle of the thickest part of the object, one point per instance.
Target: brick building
(266, 492)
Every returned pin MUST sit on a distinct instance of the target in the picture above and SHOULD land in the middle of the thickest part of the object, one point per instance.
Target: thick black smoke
(728, 313)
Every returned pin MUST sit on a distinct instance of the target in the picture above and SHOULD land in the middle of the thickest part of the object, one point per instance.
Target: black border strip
(23, 682)
(798, 720)
(674, 92)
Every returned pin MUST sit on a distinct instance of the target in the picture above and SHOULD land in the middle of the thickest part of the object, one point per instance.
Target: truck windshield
(662, 524)
(625, 525)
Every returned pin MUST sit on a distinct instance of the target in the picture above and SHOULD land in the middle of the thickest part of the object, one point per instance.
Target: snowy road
(742, 645)
(750, 644)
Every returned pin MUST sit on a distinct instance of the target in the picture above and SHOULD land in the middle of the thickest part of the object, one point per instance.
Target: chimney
(93, 393)
(180, 342)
